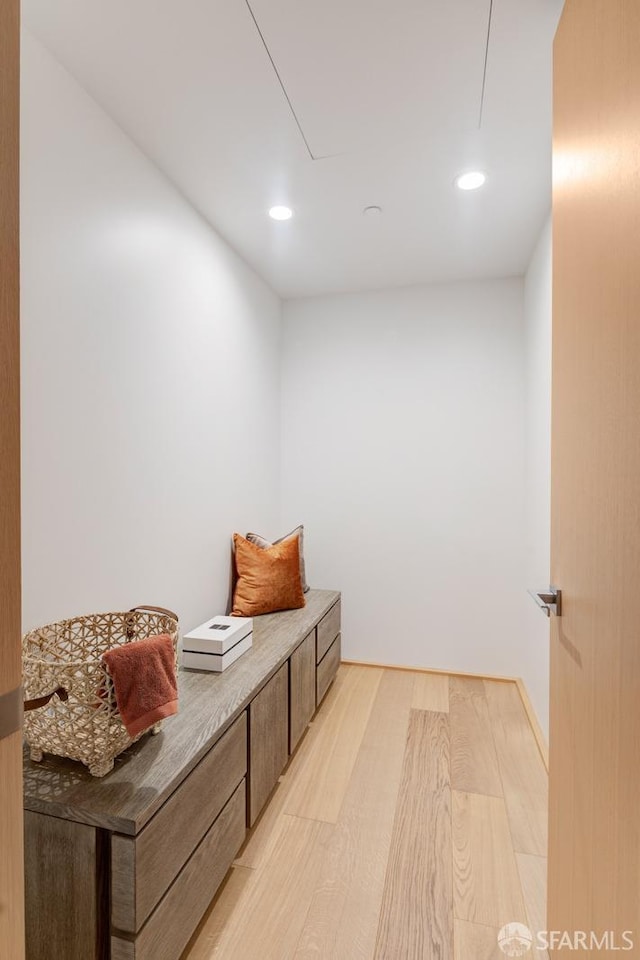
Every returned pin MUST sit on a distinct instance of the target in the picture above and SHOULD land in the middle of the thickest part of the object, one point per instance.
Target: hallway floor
(409, 825)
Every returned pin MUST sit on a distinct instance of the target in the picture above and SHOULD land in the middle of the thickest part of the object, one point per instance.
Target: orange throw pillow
(268, 579)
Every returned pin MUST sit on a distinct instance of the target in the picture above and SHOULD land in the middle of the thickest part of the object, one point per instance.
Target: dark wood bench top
(147, 773)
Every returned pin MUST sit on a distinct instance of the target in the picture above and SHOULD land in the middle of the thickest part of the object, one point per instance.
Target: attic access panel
(365, 74)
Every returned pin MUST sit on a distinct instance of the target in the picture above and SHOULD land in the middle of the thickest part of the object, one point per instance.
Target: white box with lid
(217, 643)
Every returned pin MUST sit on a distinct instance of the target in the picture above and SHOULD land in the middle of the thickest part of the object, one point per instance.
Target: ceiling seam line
(280, 81)
(486, 61)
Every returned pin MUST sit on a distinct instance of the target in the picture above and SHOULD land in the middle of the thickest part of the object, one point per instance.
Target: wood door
(11, 854)
(594, 843)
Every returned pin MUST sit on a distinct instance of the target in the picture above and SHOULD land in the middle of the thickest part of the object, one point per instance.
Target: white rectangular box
(217, 635)
(197, 660)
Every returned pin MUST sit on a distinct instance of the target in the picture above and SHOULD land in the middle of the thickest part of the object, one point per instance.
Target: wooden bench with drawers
(123, 868)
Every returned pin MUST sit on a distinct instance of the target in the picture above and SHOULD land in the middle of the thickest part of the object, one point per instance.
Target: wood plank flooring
(409, 825)
(416, 918)
(474, 764)
(343, 918)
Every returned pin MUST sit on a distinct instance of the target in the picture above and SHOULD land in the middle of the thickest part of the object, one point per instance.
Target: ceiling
(330, 106)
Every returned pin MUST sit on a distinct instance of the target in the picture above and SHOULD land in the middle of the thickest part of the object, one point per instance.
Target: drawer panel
(170, 927)
(302, 688)
(63, 861)
(328, 629)
(328, 668)
(143, 867)
(268, 739)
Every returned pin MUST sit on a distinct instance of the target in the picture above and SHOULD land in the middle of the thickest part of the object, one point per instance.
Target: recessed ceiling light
(281, 213)
(471, 180)
(373, 212)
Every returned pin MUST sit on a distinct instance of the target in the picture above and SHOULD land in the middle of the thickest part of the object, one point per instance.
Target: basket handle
(168, 613)
(38, 702)
(150, 609)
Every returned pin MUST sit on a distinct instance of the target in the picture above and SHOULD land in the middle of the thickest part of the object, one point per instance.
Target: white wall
(403, 453)
(151, 364)
(537, 300)
(151, 361)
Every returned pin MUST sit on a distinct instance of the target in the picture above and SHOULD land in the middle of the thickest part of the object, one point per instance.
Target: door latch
(549, 600)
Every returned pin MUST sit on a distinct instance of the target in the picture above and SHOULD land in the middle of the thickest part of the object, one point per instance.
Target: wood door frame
(11, 817)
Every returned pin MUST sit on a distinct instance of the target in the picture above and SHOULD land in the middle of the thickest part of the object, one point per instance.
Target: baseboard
(445, 673)
(534, 723)
(522, 690)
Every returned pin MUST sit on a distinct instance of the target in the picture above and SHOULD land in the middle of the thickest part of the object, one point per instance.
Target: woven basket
(63, 674)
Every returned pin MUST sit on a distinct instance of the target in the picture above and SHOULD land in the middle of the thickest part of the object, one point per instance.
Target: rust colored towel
(144, 678)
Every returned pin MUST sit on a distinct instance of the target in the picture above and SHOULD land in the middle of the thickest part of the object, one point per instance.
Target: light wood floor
(409, 825)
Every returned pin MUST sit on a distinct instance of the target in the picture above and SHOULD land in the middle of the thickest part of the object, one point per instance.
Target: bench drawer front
(328, 630)
(170, 927)
(268, 739)
(302, 688)
(63, 860)
(328, 668)
(143, 867)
